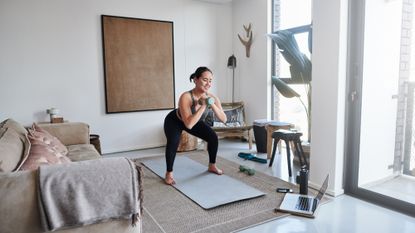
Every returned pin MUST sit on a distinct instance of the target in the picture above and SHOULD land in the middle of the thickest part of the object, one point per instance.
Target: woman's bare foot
(169, 178)
(212, 168)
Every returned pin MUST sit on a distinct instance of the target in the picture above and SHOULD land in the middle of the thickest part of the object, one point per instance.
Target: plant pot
(306, 149)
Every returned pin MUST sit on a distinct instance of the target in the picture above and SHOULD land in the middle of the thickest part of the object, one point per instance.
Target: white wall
(328, 96)
(51, 56)
(252, 75)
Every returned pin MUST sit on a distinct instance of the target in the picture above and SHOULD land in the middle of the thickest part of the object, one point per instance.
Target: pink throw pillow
(40, 134)
(42, 154)
(45, 149)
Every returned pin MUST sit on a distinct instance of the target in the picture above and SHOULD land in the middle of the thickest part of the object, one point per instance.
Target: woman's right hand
(206, 100)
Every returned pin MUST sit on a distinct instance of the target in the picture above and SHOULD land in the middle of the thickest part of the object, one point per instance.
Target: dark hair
(199, 71)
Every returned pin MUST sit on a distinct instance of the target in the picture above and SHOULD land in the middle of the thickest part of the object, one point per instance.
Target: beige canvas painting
(138, 64)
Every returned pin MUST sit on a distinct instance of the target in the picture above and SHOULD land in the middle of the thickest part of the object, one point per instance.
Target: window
(294, 15)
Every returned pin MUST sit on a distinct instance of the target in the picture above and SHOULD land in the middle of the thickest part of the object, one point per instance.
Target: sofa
(20, 208)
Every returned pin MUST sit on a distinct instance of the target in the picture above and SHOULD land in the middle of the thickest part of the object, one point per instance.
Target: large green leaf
(300, 65)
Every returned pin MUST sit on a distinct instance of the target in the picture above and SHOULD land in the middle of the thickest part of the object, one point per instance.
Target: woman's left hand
(216, 106)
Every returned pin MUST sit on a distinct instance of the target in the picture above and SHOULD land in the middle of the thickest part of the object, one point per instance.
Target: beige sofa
(19, 209)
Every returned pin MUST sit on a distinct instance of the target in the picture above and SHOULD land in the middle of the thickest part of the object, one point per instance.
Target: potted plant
(300, 69)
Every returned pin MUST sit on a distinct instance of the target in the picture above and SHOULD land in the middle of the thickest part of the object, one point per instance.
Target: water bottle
(302, 180)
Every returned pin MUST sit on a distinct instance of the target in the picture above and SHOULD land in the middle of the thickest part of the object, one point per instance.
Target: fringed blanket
(88, 192)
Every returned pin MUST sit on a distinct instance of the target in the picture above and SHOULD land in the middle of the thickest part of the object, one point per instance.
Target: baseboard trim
(330, 192)
(132, 148)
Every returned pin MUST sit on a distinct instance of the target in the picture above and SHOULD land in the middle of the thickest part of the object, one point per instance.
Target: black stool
(288, 136)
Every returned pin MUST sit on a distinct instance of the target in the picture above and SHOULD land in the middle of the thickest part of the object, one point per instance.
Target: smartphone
(284, 190)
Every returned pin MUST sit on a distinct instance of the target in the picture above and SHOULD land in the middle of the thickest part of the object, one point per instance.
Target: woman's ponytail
(199, 71)
(192, 76)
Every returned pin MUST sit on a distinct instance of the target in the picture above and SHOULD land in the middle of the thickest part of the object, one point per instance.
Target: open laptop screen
(323, 188)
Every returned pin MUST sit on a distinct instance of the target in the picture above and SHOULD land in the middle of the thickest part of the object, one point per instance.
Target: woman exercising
(193, 108)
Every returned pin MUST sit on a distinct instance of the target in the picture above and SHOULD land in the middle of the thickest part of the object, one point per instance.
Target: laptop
(303, 205)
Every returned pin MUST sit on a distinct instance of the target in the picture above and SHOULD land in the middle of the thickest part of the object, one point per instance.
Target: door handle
(353, 96)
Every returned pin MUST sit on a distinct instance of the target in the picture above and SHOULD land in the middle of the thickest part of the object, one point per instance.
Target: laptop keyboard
(304, 203)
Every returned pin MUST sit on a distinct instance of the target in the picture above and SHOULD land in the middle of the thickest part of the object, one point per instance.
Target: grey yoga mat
(206, 189)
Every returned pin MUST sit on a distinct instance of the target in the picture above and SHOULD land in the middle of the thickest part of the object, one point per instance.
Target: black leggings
(173, 128)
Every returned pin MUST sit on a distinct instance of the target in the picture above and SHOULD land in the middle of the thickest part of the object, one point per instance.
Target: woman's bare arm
(217, 109)
(189, 119)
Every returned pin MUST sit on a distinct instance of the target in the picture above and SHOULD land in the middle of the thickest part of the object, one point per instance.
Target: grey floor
(401, 187)
(345, 214)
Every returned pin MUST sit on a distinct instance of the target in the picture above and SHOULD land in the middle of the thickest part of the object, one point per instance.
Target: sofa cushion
(25, 155)
(19, 205)
(82, 152)
(16, 126)
(13, 150)
(69, 133)
(2, 131)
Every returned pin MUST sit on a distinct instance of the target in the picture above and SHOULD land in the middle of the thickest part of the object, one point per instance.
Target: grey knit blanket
(88, 192)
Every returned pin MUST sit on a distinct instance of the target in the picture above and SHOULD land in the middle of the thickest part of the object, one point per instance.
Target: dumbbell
(208, 101)
(247, 170)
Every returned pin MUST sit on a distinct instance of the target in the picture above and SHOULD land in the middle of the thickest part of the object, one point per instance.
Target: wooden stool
(289, 136)
(271, 127)
(188, 142)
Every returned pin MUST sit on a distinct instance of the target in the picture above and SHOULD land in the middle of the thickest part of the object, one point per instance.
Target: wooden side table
(271, 127)
(94, 140)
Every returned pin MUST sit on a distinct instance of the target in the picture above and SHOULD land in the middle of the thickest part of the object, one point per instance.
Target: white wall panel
(51, 56)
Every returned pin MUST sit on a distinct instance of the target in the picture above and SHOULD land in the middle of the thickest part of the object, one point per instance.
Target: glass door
(381, 101)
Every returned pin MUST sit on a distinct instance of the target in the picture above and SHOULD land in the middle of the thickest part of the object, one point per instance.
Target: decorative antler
(247, 42)
(247, 29)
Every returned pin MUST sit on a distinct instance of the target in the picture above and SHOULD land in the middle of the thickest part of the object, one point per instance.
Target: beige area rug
(168, 210)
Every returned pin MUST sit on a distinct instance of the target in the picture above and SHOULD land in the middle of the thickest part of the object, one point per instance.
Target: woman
(193, 108)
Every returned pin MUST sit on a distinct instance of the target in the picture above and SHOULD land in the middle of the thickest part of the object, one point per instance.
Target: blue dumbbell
(208, 101)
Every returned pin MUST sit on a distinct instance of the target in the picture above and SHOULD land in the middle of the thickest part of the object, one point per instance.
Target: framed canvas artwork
(138, 64)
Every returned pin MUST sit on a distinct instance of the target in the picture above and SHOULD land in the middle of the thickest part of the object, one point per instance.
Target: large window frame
(356, 31)
(280, 69)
